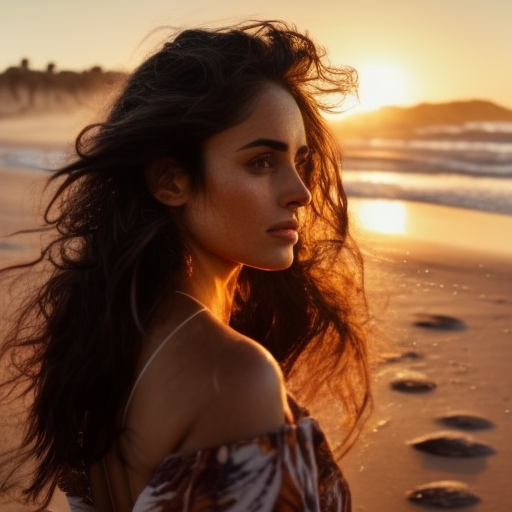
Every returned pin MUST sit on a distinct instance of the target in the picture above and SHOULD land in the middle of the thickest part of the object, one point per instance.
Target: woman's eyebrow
(268, 143)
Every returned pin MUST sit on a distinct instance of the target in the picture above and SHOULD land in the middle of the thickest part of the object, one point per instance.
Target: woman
(200, 259)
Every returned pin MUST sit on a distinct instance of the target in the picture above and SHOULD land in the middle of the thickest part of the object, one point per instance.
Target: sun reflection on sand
(461, 228)
(381, 216)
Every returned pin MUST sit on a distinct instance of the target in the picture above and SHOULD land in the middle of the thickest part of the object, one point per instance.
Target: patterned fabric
(291, 469)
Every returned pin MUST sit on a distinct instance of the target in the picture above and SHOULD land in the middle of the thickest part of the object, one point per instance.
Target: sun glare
(381, 84)
(381, 216)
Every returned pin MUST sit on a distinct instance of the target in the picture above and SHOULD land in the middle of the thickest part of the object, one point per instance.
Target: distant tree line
(23, 89)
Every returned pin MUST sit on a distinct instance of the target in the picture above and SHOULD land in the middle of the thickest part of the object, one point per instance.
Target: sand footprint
(443, 494)
(451, 494)
(447, 493)
(413, 382)
(465, 421)
(451, 444)
(439, 322)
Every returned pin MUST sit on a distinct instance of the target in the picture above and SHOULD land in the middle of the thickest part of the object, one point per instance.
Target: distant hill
(405, 121)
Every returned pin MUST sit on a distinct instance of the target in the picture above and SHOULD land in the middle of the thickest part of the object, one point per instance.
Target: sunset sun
(381, 84)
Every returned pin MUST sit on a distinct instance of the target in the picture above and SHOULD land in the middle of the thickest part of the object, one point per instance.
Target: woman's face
(246, 212)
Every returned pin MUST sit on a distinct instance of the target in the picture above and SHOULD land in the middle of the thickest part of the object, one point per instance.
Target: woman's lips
(287, 230)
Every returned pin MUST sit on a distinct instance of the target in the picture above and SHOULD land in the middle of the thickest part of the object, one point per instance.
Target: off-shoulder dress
(290, 469)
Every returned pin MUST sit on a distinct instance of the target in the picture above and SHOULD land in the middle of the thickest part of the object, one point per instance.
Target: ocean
(468, 166)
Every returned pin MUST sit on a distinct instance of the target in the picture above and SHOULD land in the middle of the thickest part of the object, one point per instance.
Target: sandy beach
(456, 263)
(436, 261)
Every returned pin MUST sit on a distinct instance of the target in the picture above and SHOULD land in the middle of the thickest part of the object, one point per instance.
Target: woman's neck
(214, 291)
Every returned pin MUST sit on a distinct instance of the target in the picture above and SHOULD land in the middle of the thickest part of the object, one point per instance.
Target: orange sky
(406, 51)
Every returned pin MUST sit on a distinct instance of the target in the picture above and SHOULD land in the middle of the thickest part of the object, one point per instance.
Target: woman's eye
(262, 163)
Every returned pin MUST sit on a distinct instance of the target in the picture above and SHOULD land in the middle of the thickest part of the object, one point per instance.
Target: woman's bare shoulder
(246, 391)
(210, 386)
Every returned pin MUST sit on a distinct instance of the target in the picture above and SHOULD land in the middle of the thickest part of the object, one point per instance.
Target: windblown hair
(114, 249)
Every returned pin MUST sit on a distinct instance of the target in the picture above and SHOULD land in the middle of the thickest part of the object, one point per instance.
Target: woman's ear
(168, 182)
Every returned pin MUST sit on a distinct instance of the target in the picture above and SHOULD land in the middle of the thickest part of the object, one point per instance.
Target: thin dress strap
(155, 353)
(141, 374)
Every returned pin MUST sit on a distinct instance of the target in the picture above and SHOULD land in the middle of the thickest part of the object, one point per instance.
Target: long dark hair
(114, 248)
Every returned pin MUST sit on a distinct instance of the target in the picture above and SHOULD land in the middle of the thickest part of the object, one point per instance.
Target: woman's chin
(274, 265)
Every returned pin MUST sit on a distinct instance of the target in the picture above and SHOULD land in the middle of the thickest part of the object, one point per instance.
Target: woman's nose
(295, 193)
